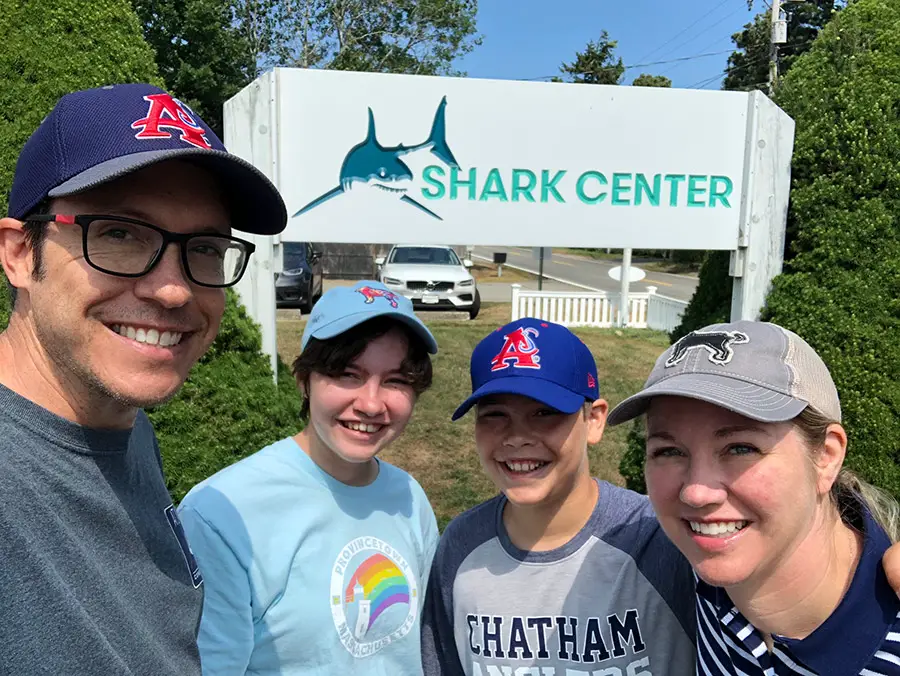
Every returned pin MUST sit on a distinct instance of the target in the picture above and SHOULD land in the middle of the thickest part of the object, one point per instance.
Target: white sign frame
(261, 128)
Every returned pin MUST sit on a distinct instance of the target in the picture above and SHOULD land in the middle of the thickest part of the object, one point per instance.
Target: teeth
(718, 527)
(148, 336)
(523, 466)
(363, 427)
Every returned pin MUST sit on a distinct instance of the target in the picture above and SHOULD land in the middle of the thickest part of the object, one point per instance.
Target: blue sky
(525, 39)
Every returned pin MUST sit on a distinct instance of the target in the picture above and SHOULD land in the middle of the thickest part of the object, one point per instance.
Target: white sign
(375, 158)
(634, 274)
(385, 158)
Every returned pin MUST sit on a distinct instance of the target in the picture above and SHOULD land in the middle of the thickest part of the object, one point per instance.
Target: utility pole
(778, 37)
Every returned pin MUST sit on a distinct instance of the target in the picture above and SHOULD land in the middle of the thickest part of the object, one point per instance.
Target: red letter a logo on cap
(519, 350)
(166, 112)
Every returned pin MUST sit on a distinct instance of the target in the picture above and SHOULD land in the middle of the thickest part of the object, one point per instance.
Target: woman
(744, 469)
(314, 553)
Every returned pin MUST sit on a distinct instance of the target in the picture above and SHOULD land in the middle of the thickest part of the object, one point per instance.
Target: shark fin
(370, 135)
(438, 136)
(410, 200)
(334, 192)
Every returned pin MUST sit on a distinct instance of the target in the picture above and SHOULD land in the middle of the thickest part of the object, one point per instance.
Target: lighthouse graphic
(374, 599)
(362, 618)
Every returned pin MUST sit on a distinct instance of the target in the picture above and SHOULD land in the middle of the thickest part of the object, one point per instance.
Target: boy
(561, 574)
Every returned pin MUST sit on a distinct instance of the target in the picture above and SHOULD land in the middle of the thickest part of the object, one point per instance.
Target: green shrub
(841, 289)
(631, 466)
(53, 47)
(711, 302)
(229, 407)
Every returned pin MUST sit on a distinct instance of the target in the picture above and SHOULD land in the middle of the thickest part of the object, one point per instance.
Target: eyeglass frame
(85, 220)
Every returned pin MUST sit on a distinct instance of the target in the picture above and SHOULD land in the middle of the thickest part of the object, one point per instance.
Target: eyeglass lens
(129, 248)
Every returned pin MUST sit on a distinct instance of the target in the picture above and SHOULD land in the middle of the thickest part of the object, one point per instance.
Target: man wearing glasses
(118, 248)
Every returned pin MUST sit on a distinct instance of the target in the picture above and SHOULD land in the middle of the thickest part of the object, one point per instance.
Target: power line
(680, 58)
(690, 40)
(750, 63)
(684, 30)
(639, 65)
(703, 49)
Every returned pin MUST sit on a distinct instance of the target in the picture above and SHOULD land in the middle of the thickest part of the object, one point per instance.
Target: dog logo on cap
(719, 344)
(170, 113)
(371, 294)
(519, 350)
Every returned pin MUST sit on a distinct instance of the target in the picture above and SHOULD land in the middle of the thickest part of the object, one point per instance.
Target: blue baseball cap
(343, 307)
(536, 359)
(97, 135)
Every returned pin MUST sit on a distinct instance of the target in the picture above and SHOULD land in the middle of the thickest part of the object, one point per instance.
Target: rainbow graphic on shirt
(382, 584)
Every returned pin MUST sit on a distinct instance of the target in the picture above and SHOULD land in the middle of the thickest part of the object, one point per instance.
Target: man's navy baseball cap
(536, 359)
(96, 135)
(343, 307)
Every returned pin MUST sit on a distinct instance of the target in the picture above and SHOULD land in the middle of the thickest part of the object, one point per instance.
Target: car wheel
(475, 307)
(307, 305)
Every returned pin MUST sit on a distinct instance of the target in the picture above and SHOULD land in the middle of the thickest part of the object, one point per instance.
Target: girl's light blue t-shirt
(305, 575)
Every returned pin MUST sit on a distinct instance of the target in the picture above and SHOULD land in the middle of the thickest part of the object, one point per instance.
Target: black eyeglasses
(125, 247)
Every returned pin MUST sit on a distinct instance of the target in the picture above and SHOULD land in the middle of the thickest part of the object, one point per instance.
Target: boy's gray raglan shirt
(617, 600)
(95, 576)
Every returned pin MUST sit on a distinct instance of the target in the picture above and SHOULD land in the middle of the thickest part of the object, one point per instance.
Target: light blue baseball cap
(343, 307)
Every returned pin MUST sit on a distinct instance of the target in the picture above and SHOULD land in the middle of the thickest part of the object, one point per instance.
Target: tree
(230, 406)
(840, 289)
(386, 36)
(201, 56)
(597, 64)
(748, 65)
(209, 49)
(647, 80)
(748, 68)
(53, 47)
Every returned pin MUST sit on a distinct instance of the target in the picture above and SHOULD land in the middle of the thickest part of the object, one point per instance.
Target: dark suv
(299, 285)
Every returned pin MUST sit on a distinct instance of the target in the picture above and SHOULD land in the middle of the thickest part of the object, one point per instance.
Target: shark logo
(373, 164)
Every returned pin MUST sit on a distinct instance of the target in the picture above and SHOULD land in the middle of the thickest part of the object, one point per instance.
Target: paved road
(591, 273)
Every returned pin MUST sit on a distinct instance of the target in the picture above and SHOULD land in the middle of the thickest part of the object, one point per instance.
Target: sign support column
(767, 184)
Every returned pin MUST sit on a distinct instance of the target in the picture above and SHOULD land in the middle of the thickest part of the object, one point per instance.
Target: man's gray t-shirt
(616, 600)
(95, 575)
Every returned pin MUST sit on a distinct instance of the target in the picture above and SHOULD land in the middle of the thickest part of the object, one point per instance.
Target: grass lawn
(441, 455)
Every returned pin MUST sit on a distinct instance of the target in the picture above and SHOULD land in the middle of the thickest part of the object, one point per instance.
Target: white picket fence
(646, 310)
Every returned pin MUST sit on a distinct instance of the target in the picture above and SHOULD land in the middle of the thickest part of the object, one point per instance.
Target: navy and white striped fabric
(860, 638)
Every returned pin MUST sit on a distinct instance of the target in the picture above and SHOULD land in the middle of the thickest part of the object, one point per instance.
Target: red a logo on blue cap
(519, 350)
(170, 113)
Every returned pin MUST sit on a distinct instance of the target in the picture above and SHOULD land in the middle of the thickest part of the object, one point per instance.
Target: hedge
(229, 406)
(840, 288)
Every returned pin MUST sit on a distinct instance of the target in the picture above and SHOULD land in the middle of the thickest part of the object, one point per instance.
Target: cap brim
(746, 399)
(347, 322)
(256, 205)
(544, 391)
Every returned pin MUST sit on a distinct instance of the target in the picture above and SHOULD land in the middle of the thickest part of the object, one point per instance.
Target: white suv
(432, 277)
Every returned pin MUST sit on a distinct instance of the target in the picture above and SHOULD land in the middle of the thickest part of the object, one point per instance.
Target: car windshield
(294, 255)
(424, 255)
